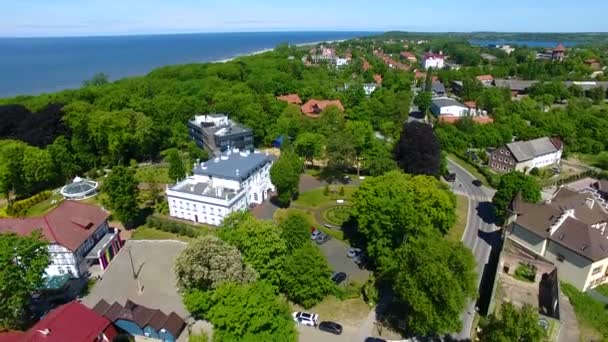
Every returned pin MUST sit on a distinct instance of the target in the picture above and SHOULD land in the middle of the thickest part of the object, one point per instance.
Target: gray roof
(445, 102)
(526, 150)
(488, 57)
(227, 166)
(587, 85)
(518, 85)
(438, 87)
(205, 189)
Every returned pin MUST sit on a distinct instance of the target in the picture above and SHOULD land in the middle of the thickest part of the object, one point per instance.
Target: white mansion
(221, 186)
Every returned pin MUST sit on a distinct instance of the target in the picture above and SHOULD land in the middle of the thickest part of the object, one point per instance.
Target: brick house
(526, 155)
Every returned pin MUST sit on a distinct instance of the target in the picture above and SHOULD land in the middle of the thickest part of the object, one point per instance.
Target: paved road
(477, 235)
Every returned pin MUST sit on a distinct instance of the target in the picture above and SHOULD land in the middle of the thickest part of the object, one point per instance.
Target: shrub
(535, 171)
(525, 272)
(18, 207)
(173, 227)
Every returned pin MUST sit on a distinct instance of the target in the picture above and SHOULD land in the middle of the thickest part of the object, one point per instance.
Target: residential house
(365, 65)
(69, 322)
(438, 89)
(218, 187)
(216, 133)
(433, 60)
(558, 54)
(290, 98)
(138, 320)
(601, 186)
(369, 88)
(486, 80)
(525, 155)
(313, 108)
(447, 106)
(594, 64)
(390, 62)
(568, 230)
(78, 234)
(517, 87)
(408, 56)
(378, 79)
(480, 119)
(323, 55)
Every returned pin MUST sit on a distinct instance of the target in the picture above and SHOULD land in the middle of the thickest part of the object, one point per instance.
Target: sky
(25, 18)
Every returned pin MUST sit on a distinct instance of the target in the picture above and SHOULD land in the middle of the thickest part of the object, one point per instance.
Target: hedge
(173, 227)
(18, 207)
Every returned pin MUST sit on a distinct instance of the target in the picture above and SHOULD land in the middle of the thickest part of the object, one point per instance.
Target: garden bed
(337, 215)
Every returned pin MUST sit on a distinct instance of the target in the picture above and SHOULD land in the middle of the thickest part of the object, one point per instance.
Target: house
(313, 108)
(290, 98)
(340, 62)
(446, 106)
(369, 88)
(433, 60)
(568, 230)
(218, 187)
(78, 234)
(138, 320)
(408, 56)
(69, 322)
(558, 54)
(517, 87)
(365, 65)
(323, 55)
(525, 155)
(601, 187)
(486, 80)
(594, 64)
(488, 57)
(216, 133)
(438, 89)
(378, 79)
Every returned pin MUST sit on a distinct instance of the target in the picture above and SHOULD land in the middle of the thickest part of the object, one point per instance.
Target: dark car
(338, 277)
(477, 182)
(374, 339)
(322, 238)
(450, 177)
(331, 327)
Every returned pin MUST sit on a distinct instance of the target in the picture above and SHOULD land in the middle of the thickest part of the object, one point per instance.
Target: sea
(30, 66)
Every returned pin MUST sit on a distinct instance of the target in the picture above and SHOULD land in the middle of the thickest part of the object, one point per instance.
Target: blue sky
(109, 17)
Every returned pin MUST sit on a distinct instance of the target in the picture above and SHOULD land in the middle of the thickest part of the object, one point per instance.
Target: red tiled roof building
(313, 108)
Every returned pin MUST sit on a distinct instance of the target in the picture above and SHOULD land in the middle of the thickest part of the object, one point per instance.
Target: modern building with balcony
(216, 133)
(232, 182)
(79, 236)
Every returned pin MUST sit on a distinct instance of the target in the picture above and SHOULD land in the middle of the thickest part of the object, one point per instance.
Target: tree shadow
(494, 239)
(485, 210)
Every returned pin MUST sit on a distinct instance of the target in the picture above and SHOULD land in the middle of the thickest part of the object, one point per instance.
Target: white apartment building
(433, 60)
(220, 186)
(441, 106)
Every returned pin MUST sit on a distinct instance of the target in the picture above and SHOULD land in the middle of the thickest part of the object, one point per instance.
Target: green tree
(513, 324)
(510, 184)
(305, 278)
(361, 135)
(207, 262)
(434, 280)
(340, 154)
(176, 166)
(122, 189)
(285, 176)
(295, 231)
(23, 260)
(261, 245)
(248, 313)
(309, 146)
(98, 79)
(391, 207)
(423, 101)
(378, 159)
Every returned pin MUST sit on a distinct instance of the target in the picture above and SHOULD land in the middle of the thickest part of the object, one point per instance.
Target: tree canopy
(285, 175)
(512, 324)
(510, 184)
(18, 280)
(122, 189)
(418, 150)
(177, 170)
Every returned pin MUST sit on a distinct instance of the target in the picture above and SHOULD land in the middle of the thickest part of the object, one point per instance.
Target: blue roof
(226, 166)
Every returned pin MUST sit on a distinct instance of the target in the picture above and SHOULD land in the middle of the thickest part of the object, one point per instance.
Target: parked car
(305, 318)
(338, 277)
(353, 252)
(374, 339)
(450, 177)
(359, 259)
(330, 327)
(328, 226)
(322, 238)
(477, 182)
(315, 234)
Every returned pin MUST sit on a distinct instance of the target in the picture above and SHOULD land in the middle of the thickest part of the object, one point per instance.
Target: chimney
(191, 188)
(590, 201)
(45, 332)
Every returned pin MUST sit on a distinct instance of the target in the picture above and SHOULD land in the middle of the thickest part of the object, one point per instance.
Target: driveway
(335, 252)
(310, 334)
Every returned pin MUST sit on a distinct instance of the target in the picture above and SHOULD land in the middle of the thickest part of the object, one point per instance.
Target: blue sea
(30, 66)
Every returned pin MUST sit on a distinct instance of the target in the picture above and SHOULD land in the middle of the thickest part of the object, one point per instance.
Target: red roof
(408, 55)
(485, 78)
(560, 48)
(483, 119)
(591, 61)
(69, 225)
(366, 65)
(290, 98)
(428, 55)
(70, 322)
(378, 79)
(313, 108)
(11, 335)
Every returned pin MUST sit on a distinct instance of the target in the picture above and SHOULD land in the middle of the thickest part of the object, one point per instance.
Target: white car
(314, 235)
(353, 252)
(305, 318)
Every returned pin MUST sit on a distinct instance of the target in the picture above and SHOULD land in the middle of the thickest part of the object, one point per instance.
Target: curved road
(477, 236)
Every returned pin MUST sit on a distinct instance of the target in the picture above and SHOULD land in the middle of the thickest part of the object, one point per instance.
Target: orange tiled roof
(290, 98)
(378, 79)
(313, 108)
(485, 78)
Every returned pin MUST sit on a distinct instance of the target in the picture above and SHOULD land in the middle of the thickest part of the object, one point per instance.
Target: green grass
(90, 283)
(599, 160)
(602, 289)
(349, 311)
(281, 214)
(45, 206)
(153, 174)
(337, 215)
(316, 198)
(591, 314)
(472, 170)
(145, 233)
(462, 212)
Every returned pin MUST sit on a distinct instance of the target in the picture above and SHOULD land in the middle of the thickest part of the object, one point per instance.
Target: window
(255, 196)
(596, 270)
(60, 269)
(502, 151)
(507, 153)
(511, 162)
(560, 257)
(499, 158)
(494, 157)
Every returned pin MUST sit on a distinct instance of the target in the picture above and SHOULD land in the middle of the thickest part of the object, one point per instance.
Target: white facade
(340, 62)
(447, 106)
(369, 88)
(540, 161)
(207, 197)
(435, 62)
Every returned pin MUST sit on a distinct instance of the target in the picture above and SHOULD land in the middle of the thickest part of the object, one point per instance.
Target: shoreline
(257, 52)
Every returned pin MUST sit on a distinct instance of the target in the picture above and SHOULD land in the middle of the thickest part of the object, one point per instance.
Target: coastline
(257, 52)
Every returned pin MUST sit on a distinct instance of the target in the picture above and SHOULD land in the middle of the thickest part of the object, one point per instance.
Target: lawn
(603, 289)
(45, 206)
(462, 212)
(145, 233)
(472, 170)
(153, 174)
(349, 311)
(281, 214)
(316, 198)
(591, 314)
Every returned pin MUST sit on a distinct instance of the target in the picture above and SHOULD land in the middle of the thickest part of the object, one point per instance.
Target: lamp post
(135, 275)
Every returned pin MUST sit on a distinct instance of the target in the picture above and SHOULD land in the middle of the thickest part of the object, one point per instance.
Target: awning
(100, 246)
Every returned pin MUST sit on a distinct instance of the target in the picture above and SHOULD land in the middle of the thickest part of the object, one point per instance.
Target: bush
(18, 207)
(370, 291)
(173, 227)
(350, 291)
(525, 272)
(535, 171)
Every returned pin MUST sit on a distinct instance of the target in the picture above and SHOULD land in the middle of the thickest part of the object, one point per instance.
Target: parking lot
(335, 252)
